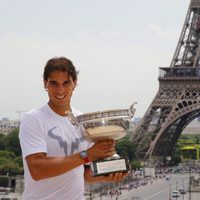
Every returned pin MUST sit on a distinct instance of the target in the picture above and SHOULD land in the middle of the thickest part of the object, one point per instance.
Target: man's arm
(41, 166)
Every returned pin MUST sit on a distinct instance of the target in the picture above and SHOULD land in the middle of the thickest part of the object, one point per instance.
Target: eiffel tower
(177, 101)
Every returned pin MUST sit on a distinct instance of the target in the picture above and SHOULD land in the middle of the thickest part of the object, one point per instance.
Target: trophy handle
(72, 118)
(132, 109)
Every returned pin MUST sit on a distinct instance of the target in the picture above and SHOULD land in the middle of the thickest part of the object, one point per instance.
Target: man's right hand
(101, 149)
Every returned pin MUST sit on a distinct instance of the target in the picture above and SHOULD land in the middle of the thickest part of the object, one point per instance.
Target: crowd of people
(135, 180)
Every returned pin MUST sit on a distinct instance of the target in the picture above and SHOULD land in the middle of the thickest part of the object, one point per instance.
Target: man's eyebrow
(67, 81)
(52, 81)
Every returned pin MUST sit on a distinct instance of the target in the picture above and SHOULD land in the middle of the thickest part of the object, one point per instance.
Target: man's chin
(62, 103)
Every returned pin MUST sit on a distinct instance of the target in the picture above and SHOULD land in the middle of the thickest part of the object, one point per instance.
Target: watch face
(83, 154)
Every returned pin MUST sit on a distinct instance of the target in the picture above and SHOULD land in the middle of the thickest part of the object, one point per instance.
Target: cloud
(115, 68)
(156, 30)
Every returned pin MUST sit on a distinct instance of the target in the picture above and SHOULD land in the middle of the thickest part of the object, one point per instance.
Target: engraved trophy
(109, 124)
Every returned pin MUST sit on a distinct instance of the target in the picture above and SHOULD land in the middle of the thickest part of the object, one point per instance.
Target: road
(159, 190)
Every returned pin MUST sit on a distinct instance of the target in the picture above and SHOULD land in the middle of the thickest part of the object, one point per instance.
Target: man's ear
(75, 84)
(45, 85)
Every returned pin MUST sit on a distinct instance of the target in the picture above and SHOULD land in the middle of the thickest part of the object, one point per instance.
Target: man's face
(60, 88)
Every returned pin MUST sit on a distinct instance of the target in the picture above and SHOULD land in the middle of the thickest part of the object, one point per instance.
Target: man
(55, 155)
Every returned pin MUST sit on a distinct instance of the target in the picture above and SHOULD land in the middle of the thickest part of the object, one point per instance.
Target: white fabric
(42, 130)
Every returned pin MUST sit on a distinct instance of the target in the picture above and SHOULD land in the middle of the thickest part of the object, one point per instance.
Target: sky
(117, 46)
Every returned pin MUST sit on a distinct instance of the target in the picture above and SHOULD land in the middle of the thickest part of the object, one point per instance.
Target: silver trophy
(109, 124)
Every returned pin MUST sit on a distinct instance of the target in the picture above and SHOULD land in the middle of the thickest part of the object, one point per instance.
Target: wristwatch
(84, 156)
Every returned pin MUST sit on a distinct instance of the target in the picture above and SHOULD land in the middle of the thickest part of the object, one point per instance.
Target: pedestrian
(56, 157)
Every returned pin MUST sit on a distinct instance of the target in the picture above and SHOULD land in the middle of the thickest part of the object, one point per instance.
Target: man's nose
(60, 88)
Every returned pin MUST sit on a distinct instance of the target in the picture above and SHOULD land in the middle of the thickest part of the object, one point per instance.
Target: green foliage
(4, 181)
(136, 164)
(197, 139)
(189, 154)
(7, 154)
(3, 160)
(185, 140)
(189, 139)
(10, 154)
(126, 148)
(9, 168)
(12, 142)
(175, 160)
(2, 144)
(19, 162)
(9, 163)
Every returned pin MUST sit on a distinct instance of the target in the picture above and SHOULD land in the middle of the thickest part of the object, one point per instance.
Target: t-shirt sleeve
(32, 140)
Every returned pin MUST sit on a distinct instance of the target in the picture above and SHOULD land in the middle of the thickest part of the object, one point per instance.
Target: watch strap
(86, 160)
(84, 156)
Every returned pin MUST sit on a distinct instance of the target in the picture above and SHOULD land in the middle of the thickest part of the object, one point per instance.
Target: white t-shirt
(42, 130)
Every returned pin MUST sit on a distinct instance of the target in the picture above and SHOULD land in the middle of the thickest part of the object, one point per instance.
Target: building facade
(6, 125)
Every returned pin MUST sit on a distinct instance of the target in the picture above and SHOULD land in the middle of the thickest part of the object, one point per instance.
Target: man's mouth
(60, 96)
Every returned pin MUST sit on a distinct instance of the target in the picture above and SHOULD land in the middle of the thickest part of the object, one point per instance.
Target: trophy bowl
(109, 124)
(106, 128)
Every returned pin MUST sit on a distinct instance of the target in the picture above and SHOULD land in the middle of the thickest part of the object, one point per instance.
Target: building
(193, 127)
(6, 125)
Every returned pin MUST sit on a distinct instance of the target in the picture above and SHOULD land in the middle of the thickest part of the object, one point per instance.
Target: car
(182, 191)
(175, 194)
(135, 198)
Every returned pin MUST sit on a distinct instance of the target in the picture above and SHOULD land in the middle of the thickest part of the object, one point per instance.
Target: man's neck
(62, 110)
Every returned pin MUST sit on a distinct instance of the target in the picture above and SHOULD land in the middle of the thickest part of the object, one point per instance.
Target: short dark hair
(60, 64)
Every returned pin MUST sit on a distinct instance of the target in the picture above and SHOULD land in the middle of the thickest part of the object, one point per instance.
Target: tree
(4, 181)
(12, 142)
(125, 147)
(197, 139)
(7, 154)
(18, 161)
(136, 164)
(2, 143)
(10, 154)
(9, 167)
(9, 164)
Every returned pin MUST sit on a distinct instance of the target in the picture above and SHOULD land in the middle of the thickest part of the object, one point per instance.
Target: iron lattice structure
(177, 101)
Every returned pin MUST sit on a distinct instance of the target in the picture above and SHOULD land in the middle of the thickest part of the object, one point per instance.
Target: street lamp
(190, 180)
(90, 193)
(101, 187)
(170, 193)
(168, 160)
(183, 188)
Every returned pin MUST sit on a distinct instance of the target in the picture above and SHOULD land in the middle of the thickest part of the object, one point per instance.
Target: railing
(179, 72)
